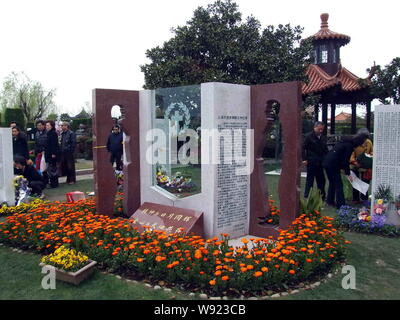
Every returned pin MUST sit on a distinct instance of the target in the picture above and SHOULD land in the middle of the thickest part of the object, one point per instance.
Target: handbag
(43, 164)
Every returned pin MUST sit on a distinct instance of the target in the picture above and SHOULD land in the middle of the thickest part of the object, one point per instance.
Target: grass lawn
(376, 260)
(83, 164)
(21, 277)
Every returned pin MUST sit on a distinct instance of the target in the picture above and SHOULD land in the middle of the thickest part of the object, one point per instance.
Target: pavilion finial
(324, 20)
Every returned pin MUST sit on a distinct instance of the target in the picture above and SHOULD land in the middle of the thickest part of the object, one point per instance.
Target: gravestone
(386, 159)
(6, 167)
(168, 219)
(224, 196)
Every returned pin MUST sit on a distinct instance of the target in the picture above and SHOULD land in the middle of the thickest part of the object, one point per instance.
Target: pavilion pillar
(353, 117)
(316, 112)
(325, 116)
(333, 111)
(368, 115)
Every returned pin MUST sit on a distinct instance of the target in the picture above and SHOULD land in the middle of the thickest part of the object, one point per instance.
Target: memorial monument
(7, 194)
(386, 160)
(199, 148)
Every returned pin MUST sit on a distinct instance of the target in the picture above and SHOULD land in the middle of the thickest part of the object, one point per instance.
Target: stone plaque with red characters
(168, 219)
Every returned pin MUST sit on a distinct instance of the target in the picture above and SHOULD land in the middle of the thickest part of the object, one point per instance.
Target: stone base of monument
(392, 216)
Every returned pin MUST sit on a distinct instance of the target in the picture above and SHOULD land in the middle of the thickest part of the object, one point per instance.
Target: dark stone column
(353, 118)
(325, 116)
(288, 95)
(368, 115)
(105, 183)
(316, 112)
(333, 109)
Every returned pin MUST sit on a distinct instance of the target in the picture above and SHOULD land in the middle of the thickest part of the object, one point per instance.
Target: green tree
(217, 45)
(19, 91)
(52, 116)
(65, 117)
(386, 82)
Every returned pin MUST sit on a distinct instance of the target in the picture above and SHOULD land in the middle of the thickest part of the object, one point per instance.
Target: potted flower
(70, 265)
(383, 197)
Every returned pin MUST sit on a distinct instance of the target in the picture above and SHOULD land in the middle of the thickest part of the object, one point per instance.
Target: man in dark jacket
(314, 151)
(68, 144)
(20, 145)
(52, 153)
(40, 145)
(35, 181)
(115, 146)
(336, 160)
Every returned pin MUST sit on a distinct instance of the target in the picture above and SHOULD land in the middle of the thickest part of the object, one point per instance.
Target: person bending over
(35, 181)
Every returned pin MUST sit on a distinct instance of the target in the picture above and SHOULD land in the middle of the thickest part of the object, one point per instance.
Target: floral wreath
(182, 107)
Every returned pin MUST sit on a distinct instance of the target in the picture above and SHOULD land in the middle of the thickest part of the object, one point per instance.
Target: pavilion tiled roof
(319, 80)
(326, 34)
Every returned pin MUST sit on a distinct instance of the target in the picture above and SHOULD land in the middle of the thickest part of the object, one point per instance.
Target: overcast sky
(75, 46)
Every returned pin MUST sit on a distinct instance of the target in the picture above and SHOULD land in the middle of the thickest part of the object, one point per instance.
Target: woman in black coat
(20, 144)
(52, 153)
(336, 160)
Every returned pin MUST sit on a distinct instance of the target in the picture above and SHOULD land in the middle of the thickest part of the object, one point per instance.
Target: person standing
(314, 151)
(68, 144)
(336, 160)
(20, 144)
(52, 153)
(115, 147)
(40, 145)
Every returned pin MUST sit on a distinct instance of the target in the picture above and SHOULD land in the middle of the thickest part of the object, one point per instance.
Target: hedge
(14, 114)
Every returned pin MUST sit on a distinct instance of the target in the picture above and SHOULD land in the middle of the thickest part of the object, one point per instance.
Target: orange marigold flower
(225, 278)
(292, 271)
(258, 274)
(212, 282)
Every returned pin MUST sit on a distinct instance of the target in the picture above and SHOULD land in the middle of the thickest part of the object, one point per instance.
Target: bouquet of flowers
(120, 177)
(364, 215)
(380, 207)
(178, 183)
(22, 190)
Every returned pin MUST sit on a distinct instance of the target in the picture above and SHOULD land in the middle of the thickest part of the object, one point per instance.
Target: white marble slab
(6, 167)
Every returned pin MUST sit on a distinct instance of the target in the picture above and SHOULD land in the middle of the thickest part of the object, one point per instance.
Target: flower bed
(354, 219)
(310, 248)
(22, 208)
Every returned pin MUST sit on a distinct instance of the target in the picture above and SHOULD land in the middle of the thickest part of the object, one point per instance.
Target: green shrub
(313, 203)
(14, 114)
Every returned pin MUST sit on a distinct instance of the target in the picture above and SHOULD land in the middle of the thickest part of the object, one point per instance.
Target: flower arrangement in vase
(383, 197)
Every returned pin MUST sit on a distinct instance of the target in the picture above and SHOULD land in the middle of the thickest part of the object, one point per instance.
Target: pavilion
(335, 84)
